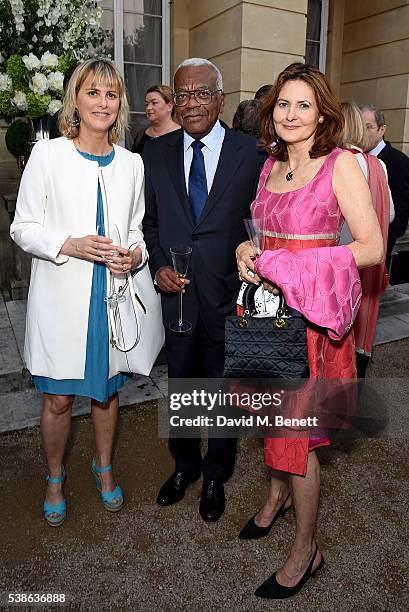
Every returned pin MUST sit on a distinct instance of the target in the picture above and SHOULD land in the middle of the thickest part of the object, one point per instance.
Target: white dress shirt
(211, 152)
(381, 145)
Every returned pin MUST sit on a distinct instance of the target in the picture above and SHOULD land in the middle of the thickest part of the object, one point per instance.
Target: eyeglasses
(202, 96)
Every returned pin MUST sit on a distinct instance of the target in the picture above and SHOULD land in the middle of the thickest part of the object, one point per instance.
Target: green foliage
(7, 108)
(17, 137)
(64, 62)
(37, 105)
(17, 72)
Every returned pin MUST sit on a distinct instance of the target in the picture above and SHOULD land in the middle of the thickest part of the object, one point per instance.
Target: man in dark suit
(200, 181)
(397, 165)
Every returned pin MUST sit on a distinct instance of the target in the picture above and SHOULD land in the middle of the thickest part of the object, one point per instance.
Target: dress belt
(301, 236)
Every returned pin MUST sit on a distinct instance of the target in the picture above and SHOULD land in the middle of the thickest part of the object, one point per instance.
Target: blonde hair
(354, 134)
(103, 71)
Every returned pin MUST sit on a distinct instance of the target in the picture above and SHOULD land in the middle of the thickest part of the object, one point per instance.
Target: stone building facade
(363, 48)
(366, 45)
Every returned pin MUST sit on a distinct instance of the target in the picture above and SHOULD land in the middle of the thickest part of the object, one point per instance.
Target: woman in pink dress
(307, 187)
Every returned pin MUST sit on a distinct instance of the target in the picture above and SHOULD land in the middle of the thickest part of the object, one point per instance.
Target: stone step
(395, 301)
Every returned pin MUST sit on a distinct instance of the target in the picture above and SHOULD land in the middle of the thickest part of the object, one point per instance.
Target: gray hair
(379, 116)
(199, 61)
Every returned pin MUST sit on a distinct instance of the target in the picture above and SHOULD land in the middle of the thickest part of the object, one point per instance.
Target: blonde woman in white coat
(74, 191)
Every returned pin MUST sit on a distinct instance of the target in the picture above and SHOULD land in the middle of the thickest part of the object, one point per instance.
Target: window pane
(312, 54)
(142, 39)
(154, 7)
(107, 22)
(314, 20)
(138, 79)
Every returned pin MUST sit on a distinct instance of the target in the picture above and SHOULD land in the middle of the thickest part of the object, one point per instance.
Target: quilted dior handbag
(135, 318)
(259, 346)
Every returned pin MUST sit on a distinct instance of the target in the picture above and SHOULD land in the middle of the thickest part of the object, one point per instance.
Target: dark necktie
(197, 181)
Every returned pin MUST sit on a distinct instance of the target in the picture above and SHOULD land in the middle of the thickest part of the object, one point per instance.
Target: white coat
(58, 199)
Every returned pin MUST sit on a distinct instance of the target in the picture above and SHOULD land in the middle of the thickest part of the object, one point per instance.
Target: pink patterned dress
(301, 229)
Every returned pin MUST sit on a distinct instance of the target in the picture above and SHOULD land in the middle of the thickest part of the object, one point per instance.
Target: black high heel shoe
(251, 531)
(271, 589)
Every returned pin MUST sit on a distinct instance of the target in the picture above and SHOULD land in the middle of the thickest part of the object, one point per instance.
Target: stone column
(249, 40)
(375, 64)
(335, 43)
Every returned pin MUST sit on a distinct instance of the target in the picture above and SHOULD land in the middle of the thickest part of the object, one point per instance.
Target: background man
(397, 164)
(200, 181)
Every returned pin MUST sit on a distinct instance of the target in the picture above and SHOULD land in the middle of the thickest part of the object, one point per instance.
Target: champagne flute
(180, 259)
(115, 236)
(256, 235)
(114, 298)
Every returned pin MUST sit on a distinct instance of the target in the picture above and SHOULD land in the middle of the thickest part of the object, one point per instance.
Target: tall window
(139, 46)
(316, 41)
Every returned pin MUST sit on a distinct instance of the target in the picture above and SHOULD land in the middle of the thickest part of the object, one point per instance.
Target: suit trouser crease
(197, 356)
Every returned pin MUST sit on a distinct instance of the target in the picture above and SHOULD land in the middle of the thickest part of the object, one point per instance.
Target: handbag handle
(113, 313)
(250, 308)
(114, 318)
(249, 301)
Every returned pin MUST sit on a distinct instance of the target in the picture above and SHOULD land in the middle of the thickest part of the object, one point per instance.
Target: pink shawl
(371, 278)
(322, 283)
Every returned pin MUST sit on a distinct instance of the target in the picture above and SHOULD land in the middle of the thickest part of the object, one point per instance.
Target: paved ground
(148, 558)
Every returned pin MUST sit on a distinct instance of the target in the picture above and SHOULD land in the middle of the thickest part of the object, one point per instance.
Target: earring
(75, 121)
(115, 128)
(321, 120)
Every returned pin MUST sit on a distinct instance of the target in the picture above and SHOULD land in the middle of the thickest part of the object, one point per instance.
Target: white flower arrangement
(55, 81)
(54, 107)
(49, 60)
(17, 8)
(31, 61)
(39, 83)
(20, 100)
(5, 82)
(38, 42)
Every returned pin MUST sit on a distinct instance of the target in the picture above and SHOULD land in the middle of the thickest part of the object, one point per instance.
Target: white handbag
(135, 317)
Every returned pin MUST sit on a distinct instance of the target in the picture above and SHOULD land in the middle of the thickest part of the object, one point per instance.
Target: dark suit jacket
(397, 164)
(168, 222)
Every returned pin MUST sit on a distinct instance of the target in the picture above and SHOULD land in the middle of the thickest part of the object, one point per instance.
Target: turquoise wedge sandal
(107, 497)
(59, 509)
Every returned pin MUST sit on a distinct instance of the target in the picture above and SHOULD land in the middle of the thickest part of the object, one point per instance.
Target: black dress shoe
(212, 501)
(252, 531)
(271, 589)
(175, 487)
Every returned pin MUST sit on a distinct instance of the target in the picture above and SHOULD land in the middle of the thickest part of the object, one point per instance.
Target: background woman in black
(160, 110)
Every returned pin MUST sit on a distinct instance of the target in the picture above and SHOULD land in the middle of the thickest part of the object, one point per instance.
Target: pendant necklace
(289, 175)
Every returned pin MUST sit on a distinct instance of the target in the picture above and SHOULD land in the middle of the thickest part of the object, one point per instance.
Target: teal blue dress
(95, 383)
